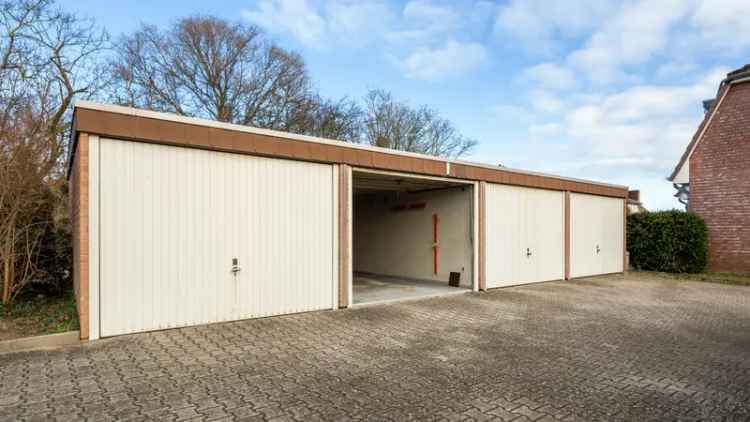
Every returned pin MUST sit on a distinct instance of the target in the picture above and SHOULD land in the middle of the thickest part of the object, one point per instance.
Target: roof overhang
(681, 172)
(147, 126)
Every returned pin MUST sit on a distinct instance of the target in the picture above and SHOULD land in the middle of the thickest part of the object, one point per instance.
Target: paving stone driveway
(609, 348)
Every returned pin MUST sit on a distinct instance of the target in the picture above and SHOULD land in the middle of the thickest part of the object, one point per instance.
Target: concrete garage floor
(606, 349)
(370, 289)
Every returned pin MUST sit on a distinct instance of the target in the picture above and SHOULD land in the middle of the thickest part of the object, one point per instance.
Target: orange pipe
(435, 240)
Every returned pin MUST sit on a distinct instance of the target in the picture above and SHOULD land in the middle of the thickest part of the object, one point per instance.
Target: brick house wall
(720, 182)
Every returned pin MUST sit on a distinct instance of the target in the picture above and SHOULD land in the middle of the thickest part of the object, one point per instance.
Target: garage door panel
(519, 218)
(582, 238)
(159, 239)
(549, 236)
(612, 243)
(504, 239)
(173, 218)
(285, 239)
(596, 235)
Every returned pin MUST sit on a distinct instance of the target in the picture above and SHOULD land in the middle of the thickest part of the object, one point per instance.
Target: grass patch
(722, 278)
(33, 315)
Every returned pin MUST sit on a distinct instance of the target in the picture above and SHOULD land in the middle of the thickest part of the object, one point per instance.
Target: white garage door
(596, 235)
(173, 219)
(525, 235)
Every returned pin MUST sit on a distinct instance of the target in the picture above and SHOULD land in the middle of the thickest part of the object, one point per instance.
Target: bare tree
(208, 67)
(24, 144)
(340, 120)
(47, 58)
(392, 124)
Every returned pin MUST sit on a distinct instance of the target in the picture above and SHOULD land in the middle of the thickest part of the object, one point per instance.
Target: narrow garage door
(596, 235)
(173, 219)
(525, 235)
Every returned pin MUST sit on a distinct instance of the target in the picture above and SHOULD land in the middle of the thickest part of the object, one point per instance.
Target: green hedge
(668, 241)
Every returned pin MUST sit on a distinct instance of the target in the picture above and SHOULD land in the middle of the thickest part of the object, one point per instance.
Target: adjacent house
(712, 177)
(635, 205)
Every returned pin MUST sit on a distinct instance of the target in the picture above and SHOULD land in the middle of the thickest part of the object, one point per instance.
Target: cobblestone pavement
(610, 348)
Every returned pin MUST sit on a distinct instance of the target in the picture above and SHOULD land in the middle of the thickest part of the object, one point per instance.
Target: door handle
(236, 266)
(528, 253)
(597, 249)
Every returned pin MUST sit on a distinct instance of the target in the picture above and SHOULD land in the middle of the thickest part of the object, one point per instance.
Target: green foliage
(36, 314)
(54, 274)
(668, 241)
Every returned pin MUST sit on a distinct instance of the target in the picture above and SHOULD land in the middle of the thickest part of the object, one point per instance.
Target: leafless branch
(392, 124)
(48, 58)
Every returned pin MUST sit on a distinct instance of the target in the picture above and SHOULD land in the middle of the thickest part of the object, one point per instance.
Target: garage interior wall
(391, 239)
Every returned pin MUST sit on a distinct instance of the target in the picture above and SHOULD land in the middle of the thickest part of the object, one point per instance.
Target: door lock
(528, 253)
(235, 266)
(597, 249)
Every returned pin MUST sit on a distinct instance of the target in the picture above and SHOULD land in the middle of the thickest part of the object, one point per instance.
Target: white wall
(399, 243)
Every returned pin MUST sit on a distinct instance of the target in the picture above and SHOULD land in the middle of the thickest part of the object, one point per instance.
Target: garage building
(181, 221)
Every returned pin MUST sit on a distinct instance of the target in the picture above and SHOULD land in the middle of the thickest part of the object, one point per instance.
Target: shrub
(42, 257)
(668, 241)
(54, 274)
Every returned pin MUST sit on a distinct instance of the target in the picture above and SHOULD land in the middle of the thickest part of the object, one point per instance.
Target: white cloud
(610, 42)
(678, 70)
(631, 136)
(723, 23)
(643, 129)
(616, 126)
(297, 17)
(551, 76)
(618, 37)
(357, 17)
(633, 79)
(481, 16)
(632, 37)
(538, 21)
(425, 13)
(513, 114)
(421, 39)
(546, 102)
(317, 24)
(545, 130)
(424, 21)
(452, 59)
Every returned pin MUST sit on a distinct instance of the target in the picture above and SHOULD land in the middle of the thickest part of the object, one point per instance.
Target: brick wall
(79, 182)
(720, 182)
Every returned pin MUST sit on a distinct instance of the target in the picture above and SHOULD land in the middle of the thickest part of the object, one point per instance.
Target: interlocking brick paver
(615, 348)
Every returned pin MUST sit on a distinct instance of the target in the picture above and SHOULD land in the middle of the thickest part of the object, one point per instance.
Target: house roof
(742, 72)
(734, 77)
(163, 128)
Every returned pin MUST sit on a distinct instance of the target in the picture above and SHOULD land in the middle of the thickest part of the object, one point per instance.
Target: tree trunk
(8, 265)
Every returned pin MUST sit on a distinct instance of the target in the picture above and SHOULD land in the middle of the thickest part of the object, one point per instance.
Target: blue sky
(604, 90)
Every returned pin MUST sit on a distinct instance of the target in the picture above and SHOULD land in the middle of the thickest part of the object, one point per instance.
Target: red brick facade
(720, 182)
(79, 197)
